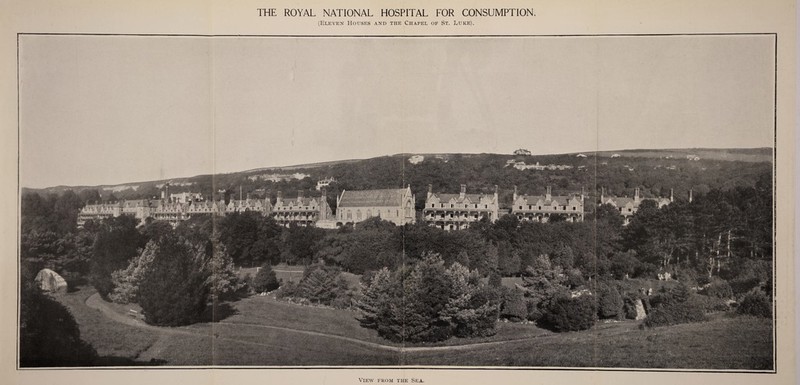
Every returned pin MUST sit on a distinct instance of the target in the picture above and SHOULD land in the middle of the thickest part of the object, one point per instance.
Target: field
(264, 332)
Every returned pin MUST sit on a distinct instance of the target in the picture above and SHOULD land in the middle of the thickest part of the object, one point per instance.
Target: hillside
(618, 172)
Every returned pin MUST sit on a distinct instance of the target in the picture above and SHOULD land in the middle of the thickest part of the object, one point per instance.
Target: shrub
(675, 313)
(535, 312)
(514, 306)
(429, 303)
(48, 334)
(609, 301)
(709, 304)
(265, 280)
(173, 291)
(742, 286)
(719, 289)
(756, 303)
(571, 314)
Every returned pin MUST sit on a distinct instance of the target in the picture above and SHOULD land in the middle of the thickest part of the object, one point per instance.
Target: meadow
(262, 331)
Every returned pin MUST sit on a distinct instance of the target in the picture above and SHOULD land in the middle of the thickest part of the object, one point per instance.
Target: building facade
(168, 210)
(458, 211)
(303, 211)
(539, 208)
(627, 207)
(394, 205)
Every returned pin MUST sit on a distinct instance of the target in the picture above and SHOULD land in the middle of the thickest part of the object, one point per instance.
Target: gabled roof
(473, 198)
(305, 201)
(372, 198)
(561, 200)
(620, 201)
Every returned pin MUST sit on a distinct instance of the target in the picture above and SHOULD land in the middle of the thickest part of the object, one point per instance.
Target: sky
(114, 109)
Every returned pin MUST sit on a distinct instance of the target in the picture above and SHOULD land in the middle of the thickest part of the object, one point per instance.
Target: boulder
(49, 281)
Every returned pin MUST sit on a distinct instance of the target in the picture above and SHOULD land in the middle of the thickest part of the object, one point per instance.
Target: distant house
(580, 156)
(394, 205)
(539, 208)
(629, 206)
(522, 151)
(321, 184)
(186, 197)
(303, 211)
(615, 155)
(416, 159)
(693, 157)
(457, 211)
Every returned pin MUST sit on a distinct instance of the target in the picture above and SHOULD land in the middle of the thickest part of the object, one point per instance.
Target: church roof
(372, 198)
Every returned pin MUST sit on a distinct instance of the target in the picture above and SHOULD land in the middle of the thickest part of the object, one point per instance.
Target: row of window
(452, 205)
(530, 207)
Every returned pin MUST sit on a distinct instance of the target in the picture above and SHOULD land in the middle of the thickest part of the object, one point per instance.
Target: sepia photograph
(584, 202)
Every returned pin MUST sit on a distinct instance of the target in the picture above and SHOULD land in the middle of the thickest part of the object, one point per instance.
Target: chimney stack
(602, 194)
(430, 191)
(463, 191)
(636, 194)
(690, 195)
(548, 195)
(299, 195)
(515, 193)
(671, 195)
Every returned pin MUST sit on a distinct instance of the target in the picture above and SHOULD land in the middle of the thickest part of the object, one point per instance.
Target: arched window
(349, 215)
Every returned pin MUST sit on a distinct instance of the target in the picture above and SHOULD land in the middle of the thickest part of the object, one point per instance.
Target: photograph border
(775, 359)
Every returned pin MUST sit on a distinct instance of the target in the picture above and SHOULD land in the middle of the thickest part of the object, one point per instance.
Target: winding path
(95, 302)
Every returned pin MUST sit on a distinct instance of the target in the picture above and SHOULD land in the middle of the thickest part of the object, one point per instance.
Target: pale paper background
(553, 18)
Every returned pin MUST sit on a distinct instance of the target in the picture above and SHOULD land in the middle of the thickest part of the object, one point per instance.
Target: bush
(173, 291)
(570, 314)
(265, 280)
(719, 289)
(429, 303)
(709, 304)
(609, 301)
(756, 303)
(48, 334)
(675, 313)
(514, 306)
(744, 285)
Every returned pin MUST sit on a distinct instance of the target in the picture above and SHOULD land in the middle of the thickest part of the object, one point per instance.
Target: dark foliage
(117, 242)
(570, 314)
(709, 304)
(49, 335)
(429, 303)
(321, 284)
(756, 303)
(609, 301)
(675, 313)
(514, 307)
(719, 289)
(174, 290)
(265, 280)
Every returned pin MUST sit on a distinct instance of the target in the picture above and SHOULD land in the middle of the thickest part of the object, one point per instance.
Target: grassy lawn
(251, 337)
(267, 311)
(112, 340)
(725, 342)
